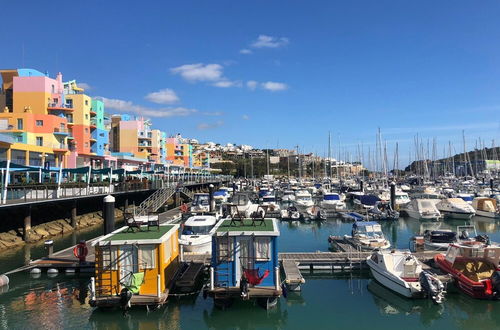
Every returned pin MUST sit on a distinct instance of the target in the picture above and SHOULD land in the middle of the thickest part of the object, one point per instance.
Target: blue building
(244, 263)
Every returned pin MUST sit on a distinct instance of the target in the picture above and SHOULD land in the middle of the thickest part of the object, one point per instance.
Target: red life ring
(184, 208)
(80, 251)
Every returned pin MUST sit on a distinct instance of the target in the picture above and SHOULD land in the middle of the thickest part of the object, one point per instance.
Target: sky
(277, 73)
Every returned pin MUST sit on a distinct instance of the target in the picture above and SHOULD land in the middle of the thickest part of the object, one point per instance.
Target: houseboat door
(128, 263)
(244, 256)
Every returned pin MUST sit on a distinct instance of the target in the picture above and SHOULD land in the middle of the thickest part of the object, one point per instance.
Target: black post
(491, 184)
(361, 185)
(211, 197)
(109, 214)
(393, 195)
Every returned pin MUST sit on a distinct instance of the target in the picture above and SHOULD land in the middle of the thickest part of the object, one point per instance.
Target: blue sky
(277, 73)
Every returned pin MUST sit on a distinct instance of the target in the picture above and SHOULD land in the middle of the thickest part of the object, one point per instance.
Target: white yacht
(195, 236)
(423, 209)
(244, 204)
(303, 199)
(402, 272)
(367, 236)
(201, 203)
(332, 201)
(486, 207)
(288, 196)
(270, 201)
(402, 198)
(455, 208)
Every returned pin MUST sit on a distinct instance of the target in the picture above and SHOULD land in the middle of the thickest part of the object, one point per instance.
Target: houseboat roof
(267, 228)
(123, 237)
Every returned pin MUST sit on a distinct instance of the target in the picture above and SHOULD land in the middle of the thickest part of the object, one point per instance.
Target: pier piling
(73, 214)
(27, 224)
(393, 195)
(109, 214)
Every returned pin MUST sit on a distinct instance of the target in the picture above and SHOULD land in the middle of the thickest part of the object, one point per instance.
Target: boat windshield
(304, 198)
(196, 230)
(240, 200)
(201, 200)
(270, 199)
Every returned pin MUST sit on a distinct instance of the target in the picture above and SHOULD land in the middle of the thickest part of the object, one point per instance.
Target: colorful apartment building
(179, 151)
(34, 116)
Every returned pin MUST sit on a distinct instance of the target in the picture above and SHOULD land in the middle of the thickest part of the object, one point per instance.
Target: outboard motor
(125, 297)
(432, 286)
(495, 283)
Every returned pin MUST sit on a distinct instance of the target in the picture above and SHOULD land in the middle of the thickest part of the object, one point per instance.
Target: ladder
(223, 271)
(158, 199)
(104, 271)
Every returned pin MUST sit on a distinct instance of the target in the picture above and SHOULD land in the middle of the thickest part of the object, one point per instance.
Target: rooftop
(152, 236)
(245, 227)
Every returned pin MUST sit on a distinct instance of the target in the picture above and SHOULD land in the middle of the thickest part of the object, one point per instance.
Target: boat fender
(125, 297)
(488, 287)
(495, 281)
(4, 280)
(184, 208)
(284, 290)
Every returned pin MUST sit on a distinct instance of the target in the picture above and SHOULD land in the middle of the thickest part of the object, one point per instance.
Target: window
(167, 246)
(147, 256)
(69, 103)
(86, 116)
(19, 139)
(86, 130)
(262, 250)
(39, 141)
(53, 89)
(86, 102)
(86, 144)
(225, 249)
(19, 123)
(110, 258)
(39, 123)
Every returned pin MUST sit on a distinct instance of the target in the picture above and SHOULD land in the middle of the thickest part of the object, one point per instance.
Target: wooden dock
(189, 277)
(293, 276)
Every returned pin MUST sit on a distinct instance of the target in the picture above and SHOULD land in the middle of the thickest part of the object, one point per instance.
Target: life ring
(184, 208)
(80, 251)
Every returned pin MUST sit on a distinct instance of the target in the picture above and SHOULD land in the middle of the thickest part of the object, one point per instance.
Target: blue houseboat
(244, 262)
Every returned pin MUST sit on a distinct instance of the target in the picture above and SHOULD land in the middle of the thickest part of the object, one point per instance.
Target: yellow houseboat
(135, 267)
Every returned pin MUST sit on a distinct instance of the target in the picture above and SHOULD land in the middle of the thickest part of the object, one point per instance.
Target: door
(245, 256)
(128, 263)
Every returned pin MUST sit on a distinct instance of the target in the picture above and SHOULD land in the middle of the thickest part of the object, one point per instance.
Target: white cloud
(128, 106)
(265, 41)
(274, 86)
(84, 85)
(204, 126)
(163, 96)
(245, 117)
(199, 72)
(214, 113)
(245, 51)
(252, 84)
(227, 83)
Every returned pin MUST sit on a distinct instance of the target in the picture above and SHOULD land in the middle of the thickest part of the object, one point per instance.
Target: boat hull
(392, 282)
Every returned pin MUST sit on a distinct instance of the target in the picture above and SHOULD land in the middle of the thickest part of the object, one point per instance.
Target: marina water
(349, 300)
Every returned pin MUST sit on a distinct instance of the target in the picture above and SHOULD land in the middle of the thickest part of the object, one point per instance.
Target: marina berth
(135, 268)
(244, 263)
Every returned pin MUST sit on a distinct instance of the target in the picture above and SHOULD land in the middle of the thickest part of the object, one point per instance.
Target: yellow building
(142, 263)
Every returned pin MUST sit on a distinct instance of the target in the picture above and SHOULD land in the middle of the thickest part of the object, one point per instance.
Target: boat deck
(293, 276)
(190, 276)
(137, 300)
(253, 292)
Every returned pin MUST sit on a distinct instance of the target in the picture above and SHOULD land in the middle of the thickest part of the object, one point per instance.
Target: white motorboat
(222, 195)
(332, 201)
(291, 213)
(367, 236)
(288, 196)
(303, 199)
(195, 236)
(270, 202)
(402, 198)
(486, 207)
(439, 240)
(455, 208)
(402, 272)
(201, 203)
(466, 197)
(423, 209)
(244, 204)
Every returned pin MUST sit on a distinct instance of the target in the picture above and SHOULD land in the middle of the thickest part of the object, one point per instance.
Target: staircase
(154, 202)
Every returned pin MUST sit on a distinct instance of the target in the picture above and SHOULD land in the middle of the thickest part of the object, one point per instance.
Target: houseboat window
(110, 262)
(168, 249)
(147, 256)
(225, 248)
(262, 250)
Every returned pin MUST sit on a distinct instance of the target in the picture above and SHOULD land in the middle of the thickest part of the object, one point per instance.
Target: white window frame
(113, 259)
(147, 256)
(168, 250)
(222, 248)
(260, 253)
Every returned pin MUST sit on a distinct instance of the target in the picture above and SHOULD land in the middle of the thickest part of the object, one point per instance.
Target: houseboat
(244, 263)
(135, 267)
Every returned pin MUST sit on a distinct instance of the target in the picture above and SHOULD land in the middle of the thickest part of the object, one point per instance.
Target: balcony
(60, 147)
(12, 129)
(59, 107)
(61, 131)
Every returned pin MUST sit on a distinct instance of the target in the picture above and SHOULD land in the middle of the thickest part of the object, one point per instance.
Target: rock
(42, 233)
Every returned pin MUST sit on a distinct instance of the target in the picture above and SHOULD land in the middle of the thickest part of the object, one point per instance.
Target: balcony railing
(59, 106)
(61, 130)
